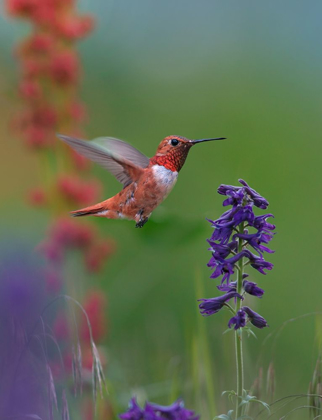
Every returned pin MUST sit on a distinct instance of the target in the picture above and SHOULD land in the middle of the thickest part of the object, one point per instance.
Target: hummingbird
(146, 181)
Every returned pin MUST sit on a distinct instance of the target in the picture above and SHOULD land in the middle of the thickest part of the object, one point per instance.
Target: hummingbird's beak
(201, 140)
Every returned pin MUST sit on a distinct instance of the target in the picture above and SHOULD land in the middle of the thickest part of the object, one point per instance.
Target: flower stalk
(239, 240)
(239, 331)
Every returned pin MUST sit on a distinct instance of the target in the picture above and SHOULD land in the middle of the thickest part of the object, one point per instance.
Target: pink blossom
(51, 250)
(66, 233)
(74, 27)
(45, 13)
(37, 137)
(32, 68)
(77, 190)
(21, 8)
(45, 116)
(38, 43)
(98, 253)
(64, 68)
(30, 89)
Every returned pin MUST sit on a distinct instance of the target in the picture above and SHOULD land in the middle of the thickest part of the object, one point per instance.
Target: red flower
(74, 27)
(51, 250)
(22, 8)
(45, 13)
(65, 234)
(37, 137)
(39, 43)
(46, 116)
(97, 254)
(77, 190)
(64, 68)
(30, 89)
(69, 234)
(32, 67)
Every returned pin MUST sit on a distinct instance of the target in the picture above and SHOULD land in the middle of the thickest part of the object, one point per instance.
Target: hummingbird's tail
(96, 210)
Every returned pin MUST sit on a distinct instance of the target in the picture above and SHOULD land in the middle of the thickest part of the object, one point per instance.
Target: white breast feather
(165, 177)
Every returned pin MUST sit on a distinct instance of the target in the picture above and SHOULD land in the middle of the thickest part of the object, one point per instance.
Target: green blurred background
(246, 70)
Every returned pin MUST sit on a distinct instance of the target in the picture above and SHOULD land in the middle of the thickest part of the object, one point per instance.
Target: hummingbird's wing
(121, 159)
(123, 149)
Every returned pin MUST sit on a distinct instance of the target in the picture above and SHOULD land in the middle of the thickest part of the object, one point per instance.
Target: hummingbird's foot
(141, 222)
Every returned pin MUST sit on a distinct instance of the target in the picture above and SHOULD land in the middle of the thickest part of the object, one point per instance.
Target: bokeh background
(249, 71)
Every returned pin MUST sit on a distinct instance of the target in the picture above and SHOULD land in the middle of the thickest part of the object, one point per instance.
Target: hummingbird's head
(173, 151)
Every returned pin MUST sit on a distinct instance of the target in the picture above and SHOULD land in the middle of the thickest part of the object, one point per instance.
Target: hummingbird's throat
(173, 160)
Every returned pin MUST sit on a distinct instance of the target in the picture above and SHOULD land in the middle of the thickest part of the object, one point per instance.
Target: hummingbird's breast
(165, 179)
(140, 198)
(153, 187)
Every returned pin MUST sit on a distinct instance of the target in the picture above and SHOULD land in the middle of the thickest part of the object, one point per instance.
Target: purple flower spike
(236, 233)
(239, 320)
(256, 319)
(252, 288)
(211, 306)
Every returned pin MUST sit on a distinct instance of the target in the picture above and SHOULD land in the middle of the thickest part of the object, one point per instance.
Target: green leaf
(228, 392)
(228, 330)
(250, 332)
(227, 416)
(231, 394)
(246, 399)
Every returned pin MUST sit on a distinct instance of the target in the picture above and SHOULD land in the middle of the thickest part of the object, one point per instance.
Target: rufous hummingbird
(146, 181)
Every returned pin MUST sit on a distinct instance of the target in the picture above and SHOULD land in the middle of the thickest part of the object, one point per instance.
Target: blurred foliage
(248, 71)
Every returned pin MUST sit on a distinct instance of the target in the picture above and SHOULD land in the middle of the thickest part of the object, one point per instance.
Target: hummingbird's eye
(174, 142)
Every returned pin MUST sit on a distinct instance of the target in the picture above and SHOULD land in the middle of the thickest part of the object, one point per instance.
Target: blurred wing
(126, 169)
(123, 149)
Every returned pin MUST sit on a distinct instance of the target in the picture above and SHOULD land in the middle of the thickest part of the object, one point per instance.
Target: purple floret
(256, 319)
(213, 305)
(239, 320)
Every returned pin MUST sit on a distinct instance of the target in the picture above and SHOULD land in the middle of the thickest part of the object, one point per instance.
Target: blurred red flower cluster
(57, 16)
(78, 191)
(65, 235)
(50, 75)
(50, 68)
(49, 103)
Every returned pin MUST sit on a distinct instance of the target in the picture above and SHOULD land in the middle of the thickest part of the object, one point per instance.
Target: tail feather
(87, 211)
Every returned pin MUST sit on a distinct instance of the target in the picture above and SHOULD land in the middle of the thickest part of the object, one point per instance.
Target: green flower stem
(238, 333)
(230, 308)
